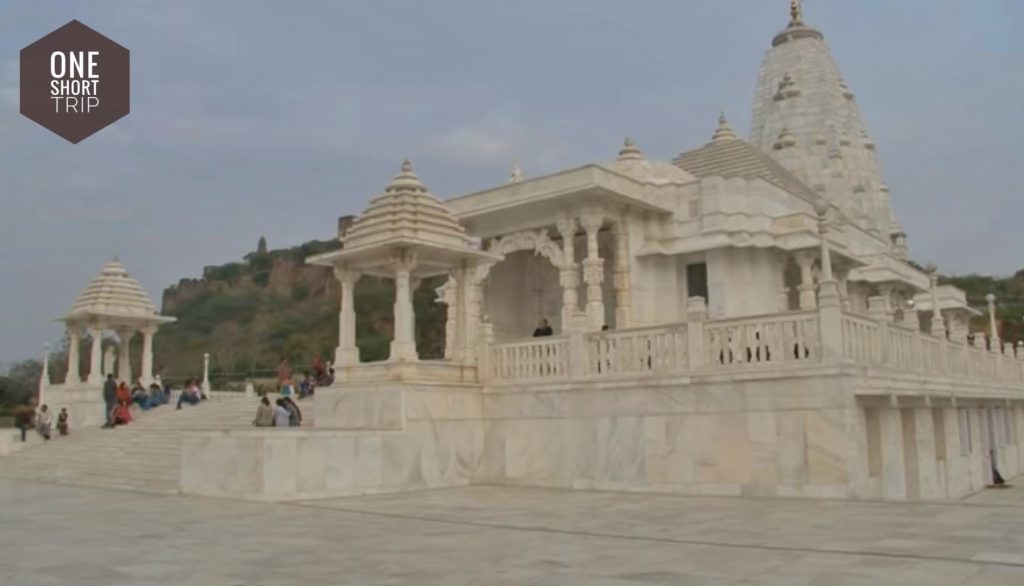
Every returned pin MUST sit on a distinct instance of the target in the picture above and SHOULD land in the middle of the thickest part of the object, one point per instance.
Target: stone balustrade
(661, 349)
(763, 342)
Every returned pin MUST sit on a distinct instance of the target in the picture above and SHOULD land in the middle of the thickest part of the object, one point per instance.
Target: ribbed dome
(114, 293)
(633, 164)
(406, 211)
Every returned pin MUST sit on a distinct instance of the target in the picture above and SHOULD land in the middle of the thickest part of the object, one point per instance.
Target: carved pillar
(448, 294)
(347, 353)
(782, 258)
(472, 295)
(124, 364)
(95, 359)
(205, 386)
(830, 312)
(593, 268)
(805, 260)
(403, 347)
(828, 289)
(623, 297)
(73, 376)
(993, 332)
(146, 376)
(568, 273)
(938, 328)
(885, 292)
(844, 289)
(44, 377)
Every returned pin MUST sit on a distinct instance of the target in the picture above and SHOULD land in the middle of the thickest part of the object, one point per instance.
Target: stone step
(142, 456)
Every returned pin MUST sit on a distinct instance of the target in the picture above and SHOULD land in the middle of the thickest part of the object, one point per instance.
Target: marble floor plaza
(501, 535)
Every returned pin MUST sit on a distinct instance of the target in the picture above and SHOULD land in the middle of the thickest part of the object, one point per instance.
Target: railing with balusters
(534, 359)
(736, 345)
(660, 349)
(762, 341)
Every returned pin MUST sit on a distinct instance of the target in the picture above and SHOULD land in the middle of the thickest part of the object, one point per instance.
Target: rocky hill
(251, 314)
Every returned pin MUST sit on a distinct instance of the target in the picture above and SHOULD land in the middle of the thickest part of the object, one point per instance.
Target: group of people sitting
(285, 413)
(26, 418)
(119, 399)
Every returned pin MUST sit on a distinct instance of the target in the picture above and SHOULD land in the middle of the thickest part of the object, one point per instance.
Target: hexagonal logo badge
(74, 81)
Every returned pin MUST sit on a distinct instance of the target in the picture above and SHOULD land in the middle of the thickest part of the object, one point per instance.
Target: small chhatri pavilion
(112, 301)
(407, 234)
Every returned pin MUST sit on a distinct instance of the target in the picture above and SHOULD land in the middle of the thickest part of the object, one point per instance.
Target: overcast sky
(273, 118)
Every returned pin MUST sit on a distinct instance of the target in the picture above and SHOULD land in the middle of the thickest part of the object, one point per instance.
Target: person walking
(264, 414)
(24, 417)
(62, 421)
(44, 422)
(110, 399)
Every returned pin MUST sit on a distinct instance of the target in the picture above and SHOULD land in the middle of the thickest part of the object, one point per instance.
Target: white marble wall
(285, 464)
(765, 438)
(84, 404)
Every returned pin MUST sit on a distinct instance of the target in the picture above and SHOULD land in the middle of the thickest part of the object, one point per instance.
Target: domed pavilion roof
(114, 298)
(406, 216)
(406, 210)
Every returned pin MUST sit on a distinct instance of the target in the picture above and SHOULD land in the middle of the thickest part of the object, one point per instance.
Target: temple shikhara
(737, 318)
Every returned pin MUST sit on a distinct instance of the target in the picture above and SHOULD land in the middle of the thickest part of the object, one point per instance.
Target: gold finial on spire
(796, 11)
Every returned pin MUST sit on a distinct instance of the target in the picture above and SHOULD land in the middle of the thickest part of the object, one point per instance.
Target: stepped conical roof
(806, 118)
(114, 294)
(406, 211)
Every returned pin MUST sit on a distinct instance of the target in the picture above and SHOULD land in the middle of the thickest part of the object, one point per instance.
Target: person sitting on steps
(190, 394)
(264, 414)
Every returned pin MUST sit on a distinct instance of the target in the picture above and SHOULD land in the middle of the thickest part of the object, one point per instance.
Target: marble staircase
(142, 456)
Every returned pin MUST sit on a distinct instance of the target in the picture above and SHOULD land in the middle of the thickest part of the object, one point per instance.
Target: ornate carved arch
(537, 241)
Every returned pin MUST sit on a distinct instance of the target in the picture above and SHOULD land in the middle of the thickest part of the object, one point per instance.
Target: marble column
(472, 299)
(347, 353)
(591, 220)
(96, 358)
(124, 364)
(73, 376)
(146, 376)
(885, 292)
(805, 260)
(783, 262)
(403, 346)
(830, 313)
(621, 277)
(205, 386)
(938, 328)
(568, 273)
(44, 378)
(993, 332)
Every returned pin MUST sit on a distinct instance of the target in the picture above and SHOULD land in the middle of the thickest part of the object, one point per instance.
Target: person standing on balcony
(543, 329)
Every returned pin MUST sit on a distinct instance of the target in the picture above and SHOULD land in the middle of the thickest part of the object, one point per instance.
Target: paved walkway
(489, 535)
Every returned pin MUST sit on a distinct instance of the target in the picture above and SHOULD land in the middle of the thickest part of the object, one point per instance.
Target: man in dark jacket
(110, 398)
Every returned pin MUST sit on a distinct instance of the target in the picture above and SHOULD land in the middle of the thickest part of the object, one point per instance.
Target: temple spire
(796, 12)
(724, 132)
